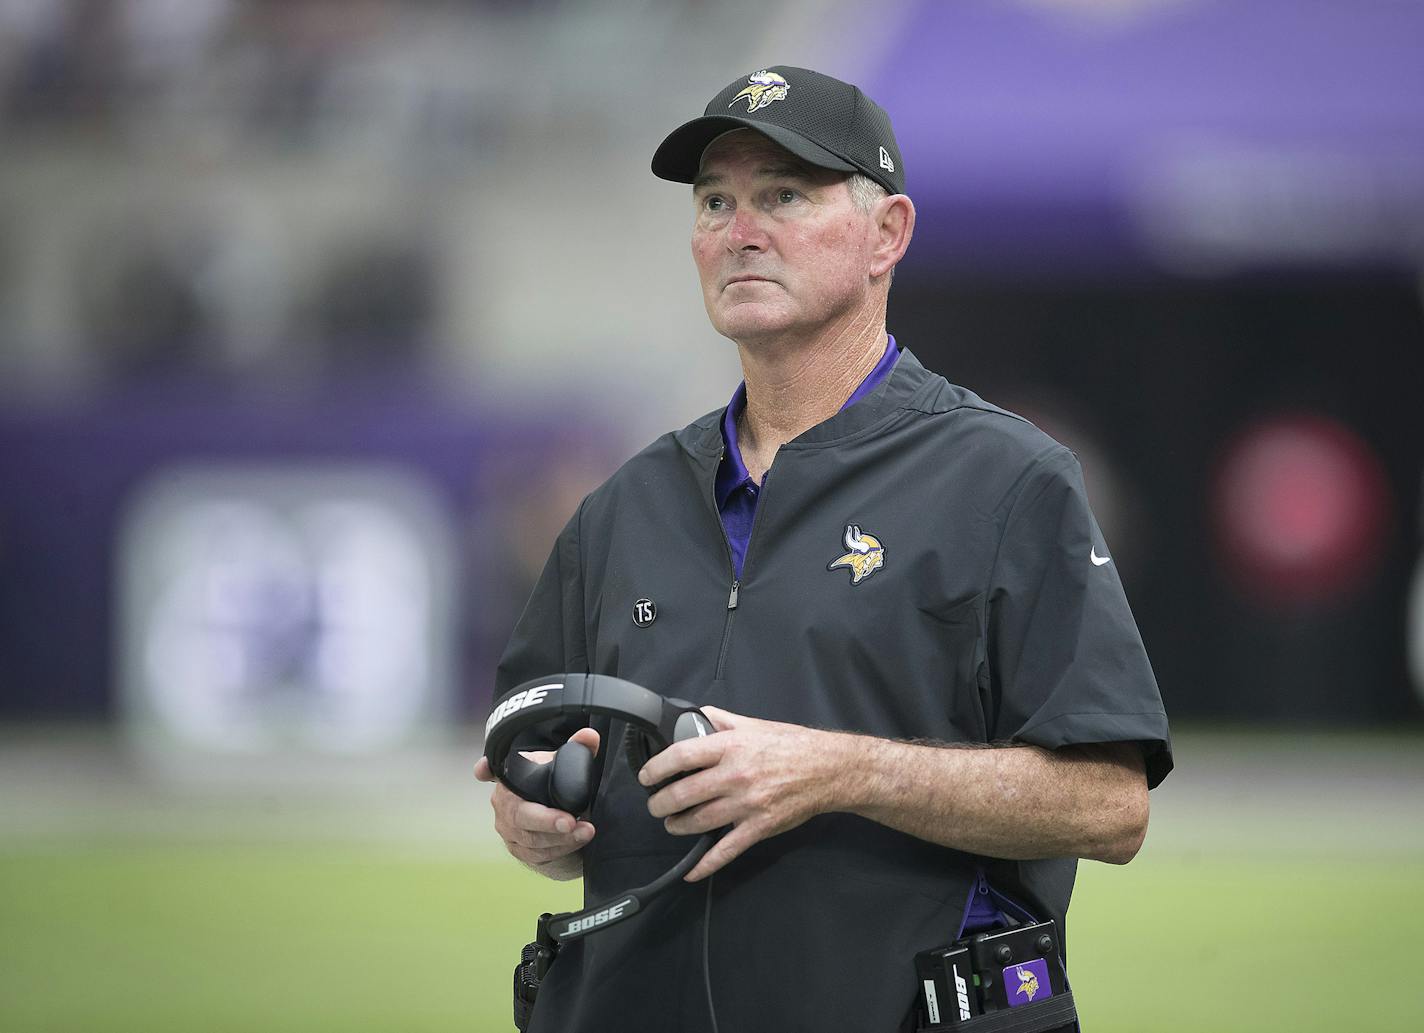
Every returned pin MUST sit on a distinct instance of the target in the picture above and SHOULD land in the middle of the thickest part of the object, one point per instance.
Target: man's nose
(747, 231)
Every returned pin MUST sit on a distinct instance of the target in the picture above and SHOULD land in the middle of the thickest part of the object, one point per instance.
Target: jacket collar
(909, 386)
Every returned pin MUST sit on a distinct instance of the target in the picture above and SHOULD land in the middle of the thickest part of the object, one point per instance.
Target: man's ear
(895, 225)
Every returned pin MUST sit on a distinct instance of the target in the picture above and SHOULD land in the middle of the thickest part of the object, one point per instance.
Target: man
(889, 596)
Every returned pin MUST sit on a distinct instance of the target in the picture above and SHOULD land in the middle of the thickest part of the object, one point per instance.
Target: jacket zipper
(980, 888)
(731, 566)
(1024, 915)
(1005, 904)
(727, 627)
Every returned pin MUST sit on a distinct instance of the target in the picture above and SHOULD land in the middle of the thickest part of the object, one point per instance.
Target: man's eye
(714, 204)
(785, 196)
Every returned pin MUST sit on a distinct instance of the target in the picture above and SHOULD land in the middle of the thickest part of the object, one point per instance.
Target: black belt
(1047, 1016)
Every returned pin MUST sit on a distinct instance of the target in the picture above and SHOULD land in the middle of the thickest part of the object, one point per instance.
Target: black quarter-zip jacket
(992, 618)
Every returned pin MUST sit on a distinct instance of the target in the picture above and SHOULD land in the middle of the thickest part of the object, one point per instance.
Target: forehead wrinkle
(785, 169)
(789, 169)
(746, 144)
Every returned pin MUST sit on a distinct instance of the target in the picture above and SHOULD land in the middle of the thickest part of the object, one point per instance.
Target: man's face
(779, 244)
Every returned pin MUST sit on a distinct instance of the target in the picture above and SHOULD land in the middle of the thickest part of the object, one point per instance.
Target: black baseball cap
(821, 120)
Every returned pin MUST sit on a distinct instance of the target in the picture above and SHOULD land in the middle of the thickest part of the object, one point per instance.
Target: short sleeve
(549, 636)
(1066, 661)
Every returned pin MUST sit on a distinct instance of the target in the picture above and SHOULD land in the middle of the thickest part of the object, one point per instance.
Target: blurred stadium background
(317, 318)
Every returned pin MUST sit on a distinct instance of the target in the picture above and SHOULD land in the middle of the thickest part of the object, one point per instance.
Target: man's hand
(545, 839)
(1012, 801)
(761, 777)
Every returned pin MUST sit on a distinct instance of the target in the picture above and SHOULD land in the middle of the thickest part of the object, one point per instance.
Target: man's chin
(750, 321)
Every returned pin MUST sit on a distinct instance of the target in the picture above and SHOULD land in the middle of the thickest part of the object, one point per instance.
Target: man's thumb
(588, 737)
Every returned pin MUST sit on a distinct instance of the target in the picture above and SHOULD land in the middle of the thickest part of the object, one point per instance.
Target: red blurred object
(1301, 510)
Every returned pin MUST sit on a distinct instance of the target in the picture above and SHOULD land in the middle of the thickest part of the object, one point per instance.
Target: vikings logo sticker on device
(865, 557)
(1027, 981)
(765, 88)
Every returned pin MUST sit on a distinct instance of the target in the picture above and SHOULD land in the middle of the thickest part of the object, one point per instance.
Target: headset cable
(706, 966)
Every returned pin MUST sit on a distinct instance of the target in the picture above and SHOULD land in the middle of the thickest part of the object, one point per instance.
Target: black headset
(567, 783)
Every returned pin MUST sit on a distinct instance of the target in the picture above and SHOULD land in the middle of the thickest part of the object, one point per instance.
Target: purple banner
(69, 471)
(1206, 135)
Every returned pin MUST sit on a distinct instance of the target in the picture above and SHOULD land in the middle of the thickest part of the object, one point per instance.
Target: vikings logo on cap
(765, 87)
(865, 557)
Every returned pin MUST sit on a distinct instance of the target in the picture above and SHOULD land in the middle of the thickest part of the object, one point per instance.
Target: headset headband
(662, 721)
(654, 723)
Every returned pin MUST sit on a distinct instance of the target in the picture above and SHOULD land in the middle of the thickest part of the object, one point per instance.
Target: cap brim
(679, 156)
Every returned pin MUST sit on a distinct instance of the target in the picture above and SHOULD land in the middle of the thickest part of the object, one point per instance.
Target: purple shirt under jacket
(737, 493)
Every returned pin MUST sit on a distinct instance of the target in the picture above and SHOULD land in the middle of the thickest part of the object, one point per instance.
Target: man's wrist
(561, 869)
(877, 776)
(848, 763)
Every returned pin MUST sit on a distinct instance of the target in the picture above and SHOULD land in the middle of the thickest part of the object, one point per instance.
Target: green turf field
(1215, 927)
(254, 939)
(261, 939)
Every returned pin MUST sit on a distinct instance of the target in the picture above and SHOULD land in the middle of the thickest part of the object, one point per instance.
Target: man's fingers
(688, 755)
(563, 842)
(722, 720)
(696, 788)
(532, 832)
(589, 737)
(527, 827)
(535, 817)
(691, 754)
(723, 852)
(526, 815)
(715, 815)
(543, 855)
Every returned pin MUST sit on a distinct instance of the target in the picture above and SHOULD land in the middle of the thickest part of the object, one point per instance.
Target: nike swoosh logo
(1098, 561)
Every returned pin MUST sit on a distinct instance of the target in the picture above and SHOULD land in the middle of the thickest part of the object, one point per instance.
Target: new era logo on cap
(821, 120)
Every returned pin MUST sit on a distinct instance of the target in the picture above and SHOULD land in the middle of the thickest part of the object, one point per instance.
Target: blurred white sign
(285, 609)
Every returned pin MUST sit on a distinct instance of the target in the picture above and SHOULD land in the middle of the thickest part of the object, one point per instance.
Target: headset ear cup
(692, 724)
(638, 748)
(528, 779)
(635, 748)
(571, 778)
